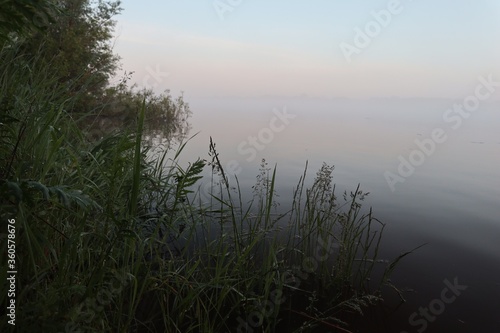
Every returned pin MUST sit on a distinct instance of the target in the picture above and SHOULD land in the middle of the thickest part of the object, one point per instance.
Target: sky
(322, 48)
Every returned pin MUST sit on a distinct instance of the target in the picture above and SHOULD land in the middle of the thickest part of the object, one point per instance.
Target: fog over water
(386, 91)
(450, 202)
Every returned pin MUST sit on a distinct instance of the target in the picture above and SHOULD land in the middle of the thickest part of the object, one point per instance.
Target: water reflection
(166, 118)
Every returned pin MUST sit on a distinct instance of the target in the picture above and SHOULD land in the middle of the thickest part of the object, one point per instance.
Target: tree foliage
(20, 17)
(73, 50)
(78, 47)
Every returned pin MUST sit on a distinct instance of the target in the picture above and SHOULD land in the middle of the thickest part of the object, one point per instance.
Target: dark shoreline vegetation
(112, 237)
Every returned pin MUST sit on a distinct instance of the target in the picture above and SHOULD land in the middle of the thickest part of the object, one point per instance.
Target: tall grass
(112, 238)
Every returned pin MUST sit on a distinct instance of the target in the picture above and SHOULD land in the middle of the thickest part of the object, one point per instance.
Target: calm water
(451, 201)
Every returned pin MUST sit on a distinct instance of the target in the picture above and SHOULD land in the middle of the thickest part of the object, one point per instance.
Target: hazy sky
(326, 48)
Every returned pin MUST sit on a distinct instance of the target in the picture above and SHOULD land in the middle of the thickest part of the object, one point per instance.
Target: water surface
(451, 202)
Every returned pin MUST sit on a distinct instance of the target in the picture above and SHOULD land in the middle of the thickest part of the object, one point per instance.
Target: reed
(115, 238)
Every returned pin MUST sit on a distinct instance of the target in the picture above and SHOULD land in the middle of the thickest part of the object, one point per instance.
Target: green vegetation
(20, 17)
(113, 238)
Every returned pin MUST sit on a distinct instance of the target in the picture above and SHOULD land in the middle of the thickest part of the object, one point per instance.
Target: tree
(74, 51)
(19, 17)
(78, 47)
